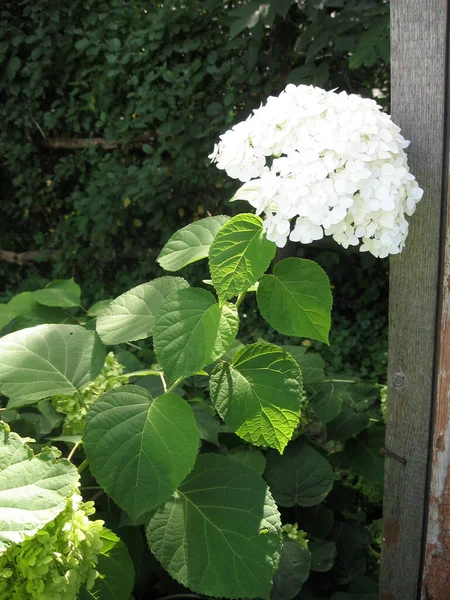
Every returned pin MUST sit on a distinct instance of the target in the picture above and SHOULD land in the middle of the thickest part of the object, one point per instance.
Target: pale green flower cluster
(76, 407)
(292, 531)
(57, 561)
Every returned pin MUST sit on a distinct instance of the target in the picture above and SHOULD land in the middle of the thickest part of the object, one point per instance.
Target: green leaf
(259, 395)
(6, 315)
(310, 363)
(192, 331)
(323, 555)
(296, 299)
(326, 399)
(131, 316)
(69, 439)
(246, 15)
(360, 395)
(363, 453)
(360, 588)
(47, 360)
(351, 560)
(316, 520)
(52, 417)
(64, 293)
(29, 312)
(293, 570)
(114, 44)
(207, 422)
(115, 580)
(282, 7)
(98, 307)
(140, 449)
(317, 44)
(82, 44)
(302, 476)
(239, 255)
(14, 64)
(191, 243)
(232, 350)
(225, 531)
(365, 49)
(347, 424)
(33, 489)
(213, 109)
(249, 457)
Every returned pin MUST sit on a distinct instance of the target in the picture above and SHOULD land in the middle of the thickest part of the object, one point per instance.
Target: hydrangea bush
(222, 519)
(329, 163)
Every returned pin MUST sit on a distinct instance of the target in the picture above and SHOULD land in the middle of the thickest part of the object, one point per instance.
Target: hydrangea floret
(321, 163)
(58, 560)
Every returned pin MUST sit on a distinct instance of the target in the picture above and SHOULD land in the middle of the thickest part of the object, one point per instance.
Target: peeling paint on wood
(436, 573)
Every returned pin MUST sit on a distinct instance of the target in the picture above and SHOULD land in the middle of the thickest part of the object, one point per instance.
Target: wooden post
(416, 550)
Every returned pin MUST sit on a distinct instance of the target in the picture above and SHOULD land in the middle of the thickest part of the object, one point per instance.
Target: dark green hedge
(109, 109)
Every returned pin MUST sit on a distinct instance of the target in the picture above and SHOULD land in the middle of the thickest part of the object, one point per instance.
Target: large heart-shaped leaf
(131, 316)
(33, 489)
(347, 424)
(363, 453)
(47, 360)
(296, 299)
(219, 534)
(293, 570)
(326, 399)
(352, 552)
(191, 243)
(323, 555)
(115, 569)
(140, 449)
(259, 395)
(302, 476)
(239, 255)
(64, 293)
(192, 331)
(316, 520)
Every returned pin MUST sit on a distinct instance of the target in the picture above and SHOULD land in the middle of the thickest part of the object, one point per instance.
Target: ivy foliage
(127, 94)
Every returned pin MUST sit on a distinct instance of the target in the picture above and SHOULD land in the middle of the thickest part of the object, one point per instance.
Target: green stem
(143, 373)
(175, 384)
(240, 298)
(83, 465)
(331, 380)
(74, 449)
(133, 345)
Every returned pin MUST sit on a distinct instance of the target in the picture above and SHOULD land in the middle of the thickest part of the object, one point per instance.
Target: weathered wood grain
(419, 48)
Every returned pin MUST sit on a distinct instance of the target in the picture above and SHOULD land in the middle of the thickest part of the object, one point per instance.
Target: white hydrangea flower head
(318, 163)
